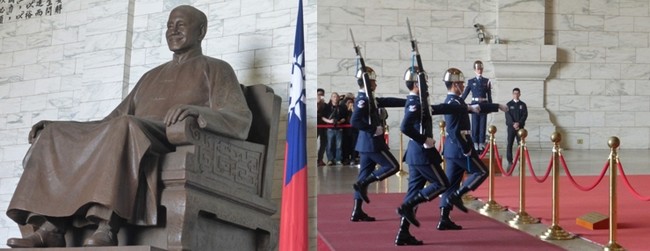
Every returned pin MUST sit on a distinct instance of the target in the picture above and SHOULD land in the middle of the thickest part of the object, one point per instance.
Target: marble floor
(339, 178)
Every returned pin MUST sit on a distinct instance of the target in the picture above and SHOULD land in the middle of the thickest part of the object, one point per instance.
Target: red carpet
(633, 216)
(337, 233)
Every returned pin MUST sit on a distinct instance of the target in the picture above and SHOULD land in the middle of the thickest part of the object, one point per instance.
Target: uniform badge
(412, 108)
(521, 107)
(361, 103)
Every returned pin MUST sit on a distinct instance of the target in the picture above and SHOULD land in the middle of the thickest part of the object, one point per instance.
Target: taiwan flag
(293, 218)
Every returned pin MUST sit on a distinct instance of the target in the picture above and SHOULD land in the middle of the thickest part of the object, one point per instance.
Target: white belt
(465, 132)
(479, 99)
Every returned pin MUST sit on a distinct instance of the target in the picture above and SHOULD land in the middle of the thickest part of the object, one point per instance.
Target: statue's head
(186, 27)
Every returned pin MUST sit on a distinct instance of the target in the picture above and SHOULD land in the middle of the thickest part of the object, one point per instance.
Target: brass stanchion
(555, 232)
(401, 153)
(443, 165)
(522, 216)
(491, 205)
(613, 143)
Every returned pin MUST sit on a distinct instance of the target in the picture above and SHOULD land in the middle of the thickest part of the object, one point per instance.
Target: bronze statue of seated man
(105, 172)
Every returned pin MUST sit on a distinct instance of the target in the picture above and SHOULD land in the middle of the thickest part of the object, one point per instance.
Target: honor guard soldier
(371, 145)
(421, 155)
(459, 154)
(481, 89)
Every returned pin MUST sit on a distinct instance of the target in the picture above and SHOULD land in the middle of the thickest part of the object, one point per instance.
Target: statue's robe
(114, 162)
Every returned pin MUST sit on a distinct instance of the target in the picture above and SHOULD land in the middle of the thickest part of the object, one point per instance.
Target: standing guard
(481, 88)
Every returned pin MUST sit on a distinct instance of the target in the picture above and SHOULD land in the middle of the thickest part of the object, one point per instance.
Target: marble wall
(599, 86)
(79, 62)
(596, 87)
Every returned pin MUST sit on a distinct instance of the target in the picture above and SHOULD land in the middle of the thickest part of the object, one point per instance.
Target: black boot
(358, 214)
(445, 222)
(404, 237)
(362, 187)
(456, 199)
(47, 235)
(407, 209)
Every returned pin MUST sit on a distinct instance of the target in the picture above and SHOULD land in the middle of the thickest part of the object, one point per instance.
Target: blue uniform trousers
(479, 125)
(368, 160)
(419, 175)
(476, 170)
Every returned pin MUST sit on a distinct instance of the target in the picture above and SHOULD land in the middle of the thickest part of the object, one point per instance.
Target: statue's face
(183, 30)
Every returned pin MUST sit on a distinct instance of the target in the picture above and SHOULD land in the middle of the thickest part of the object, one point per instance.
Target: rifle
(426, 123)
(373, 113)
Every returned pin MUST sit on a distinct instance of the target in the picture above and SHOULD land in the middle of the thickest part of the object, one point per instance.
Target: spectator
(321, 132)
(515, 120)
(350, 135)
(334, 114)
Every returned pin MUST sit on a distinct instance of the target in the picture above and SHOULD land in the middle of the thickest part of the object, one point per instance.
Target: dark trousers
(349, 141)
(512, 134)
(322, 135)
(476, 170)
(368, 160)
(418, 177)
(479, 125)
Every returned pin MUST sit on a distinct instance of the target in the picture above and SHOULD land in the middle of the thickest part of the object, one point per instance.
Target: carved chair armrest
(184, 132)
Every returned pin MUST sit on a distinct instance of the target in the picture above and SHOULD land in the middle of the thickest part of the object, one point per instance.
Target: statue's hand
(180, 112)
(36, 128)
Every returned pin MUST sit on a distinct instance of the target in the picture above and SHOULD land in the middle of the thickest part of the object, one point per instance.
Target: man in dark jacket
(515, 120)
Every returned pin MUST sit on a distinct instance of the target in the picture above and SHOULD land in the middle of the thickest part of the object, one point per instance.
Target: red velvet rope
(500, 164)
(485, 151)
(629, 187)
(532, 172)
(442, 140)
(588, 188)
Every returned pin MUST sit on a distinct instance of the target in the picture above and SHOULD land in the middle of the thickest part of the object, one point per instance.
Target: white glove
(429, 143)
(475, 108)
(379, 131)
(467, 154)
(503, 108)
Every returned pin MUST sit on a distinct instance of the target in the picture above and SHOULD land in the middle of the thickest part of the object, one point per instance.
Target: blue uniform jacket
(479, 89)
(416, 154)
(458, 139)
(360, 120)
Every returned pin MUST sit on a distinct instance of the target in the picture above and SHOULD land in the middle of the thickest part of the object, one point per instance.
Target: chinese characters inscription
(26, 9)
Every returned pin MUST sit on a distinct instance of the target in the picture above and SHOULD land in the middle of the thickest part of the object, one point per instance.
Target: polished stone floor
(339, 179)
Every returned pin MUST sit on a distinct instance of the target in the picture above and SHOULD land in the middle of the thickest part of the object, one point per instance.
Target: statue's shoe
(101, 238)
(40, 238)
